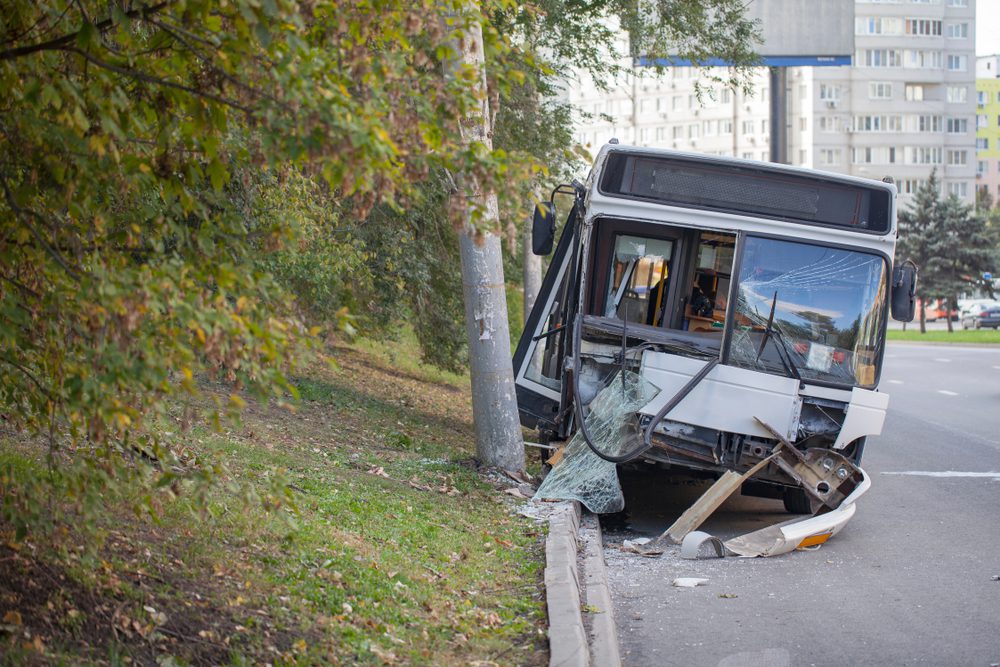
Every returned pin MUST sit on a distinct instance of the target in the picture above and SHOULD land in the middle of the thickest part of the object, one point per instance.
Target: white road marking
(895, 382)
(944, 361)
(947, 393)
(945, 473)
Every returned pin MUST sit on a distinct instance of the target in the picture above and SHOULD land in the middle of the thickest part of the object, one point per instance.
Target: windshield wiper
(779, 343)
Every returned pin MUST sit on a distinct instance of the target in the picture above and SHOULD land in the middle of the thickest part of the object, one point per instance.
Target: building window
(981, 98)
(878, 25)
(914, 92)
(957, 63)
(829, 156)
(959, 189)
(928, 124)
(726, 96)
(877, 123)
(747, 155)
(910, 186)
(828, 92)
(923, 155)
(693, 131)
(982, 120)
(803, 124)
(923, 27)
(958, 3)
(958, 30)
(879, 90)
(982, 144)
(661, 133)
(958, 93)
(958, 125)
(918, 59)
(958, 158)
(746, 127)
(878, 58)
(829, 124)
(725, 127)
(678, 132)
(763, 126)
(861, 155)
(676, 104)
(982, 166)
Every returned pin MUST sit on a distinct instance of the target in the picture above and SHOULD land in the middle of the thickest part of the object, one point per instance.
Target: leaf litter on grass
(385, 553)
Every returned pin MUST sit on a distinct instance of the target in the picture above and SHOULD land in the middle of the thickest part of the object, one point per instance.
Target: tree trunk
(532, 271)
(923, 318)
(494, 403)
(948, 304)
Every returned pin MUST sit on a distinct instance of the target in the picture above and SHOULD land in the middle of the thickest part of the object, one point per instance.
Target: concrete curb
(567, 638)
(603, 631)
(570, 645)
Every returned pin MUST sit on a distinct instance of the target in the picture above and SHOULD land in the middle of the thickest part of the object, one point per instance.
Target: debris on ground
(689, 582)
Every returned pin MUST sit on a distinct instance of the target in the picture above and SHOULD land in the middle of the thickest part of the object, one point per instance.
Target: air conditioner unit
(696, 112)
(831, 104)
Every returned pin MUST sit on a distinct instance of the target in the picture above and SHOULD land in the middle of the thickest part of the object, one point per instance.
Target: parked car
(981, 314)
(935, 310)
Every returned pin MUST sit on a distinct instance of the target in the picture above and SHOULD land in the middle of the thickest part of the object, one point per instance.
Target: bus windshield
(809, 311)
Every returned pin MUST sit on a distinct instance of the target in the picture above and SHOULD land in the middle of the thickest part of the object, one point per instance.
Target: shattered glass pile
(581, 474)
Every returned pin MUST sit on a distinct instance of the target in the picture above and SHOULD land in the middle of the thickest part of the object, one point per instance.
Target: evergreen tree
(949, 242)
(916, 230)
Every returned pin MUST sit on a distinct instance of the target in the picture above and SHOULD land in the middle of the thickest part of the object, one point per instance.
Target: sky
(987, 27)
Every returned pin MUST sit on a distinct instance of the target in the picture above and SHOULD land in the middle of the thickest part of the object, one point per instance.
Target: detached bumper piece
(829, 478)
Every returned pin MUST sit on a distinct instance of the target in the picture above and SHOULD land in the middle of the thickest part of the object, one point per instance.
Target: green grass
(382, 544)
(986, 336)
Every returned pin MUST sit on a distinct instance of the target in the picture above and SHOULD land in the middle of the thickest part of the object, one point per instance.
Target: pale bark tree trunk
(532, 267)
(947, 313)
(494, 403)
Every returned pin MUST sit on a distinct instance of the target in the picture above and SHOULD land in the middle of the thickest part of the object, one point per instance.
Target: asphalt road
(907, 582)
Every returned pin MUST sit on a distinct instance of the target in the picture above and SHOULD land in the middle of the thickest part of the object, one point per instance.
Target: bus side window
(639, 279)
(708, 300)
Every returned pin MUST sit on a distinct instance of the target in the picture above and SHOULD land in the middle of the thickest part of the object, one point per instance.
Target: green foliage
(950, 244)
(167, 187)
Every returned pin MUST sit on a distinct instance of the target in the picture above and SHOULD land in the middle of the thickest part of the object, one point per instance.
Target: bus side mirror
(904, 289)
(543, 228)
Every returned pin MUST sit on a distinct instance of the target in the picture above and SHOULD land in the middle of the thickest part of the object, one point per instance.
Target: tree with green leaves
(949, 243)
(157, 154)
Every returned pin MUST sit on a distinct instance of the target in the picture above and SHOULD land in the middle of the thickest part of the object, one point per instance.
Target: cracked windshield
(809, 311)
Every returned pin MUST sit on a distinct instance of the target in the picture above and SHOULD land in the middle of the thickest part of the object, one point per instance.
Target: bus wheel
(797, 501)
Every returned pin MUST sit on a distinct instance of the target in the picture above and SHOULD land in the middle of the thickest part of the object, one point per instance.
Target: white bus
(753, 296)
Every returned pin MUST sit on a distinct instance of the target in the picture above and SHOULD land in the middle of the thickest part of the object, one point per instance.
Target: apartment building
(906, 106)
(988, 125)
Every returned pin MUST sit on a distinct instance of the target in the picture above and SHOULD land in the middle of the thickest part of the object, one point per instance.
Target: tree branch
(142, 76)
(29, 375)
(65, 40)
(23, 213)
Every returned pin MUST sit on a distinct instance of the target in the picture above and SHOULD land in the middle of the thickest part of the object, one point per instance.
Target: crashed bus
(747, 301)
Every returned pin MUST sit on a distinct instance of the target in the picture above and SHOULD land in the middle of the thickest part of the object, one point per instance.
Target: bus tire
(797, 501)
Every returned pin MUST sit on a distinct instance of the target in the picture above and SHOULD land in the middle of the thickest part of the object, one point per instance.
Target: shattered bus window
(581, 474)
(809, 310)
